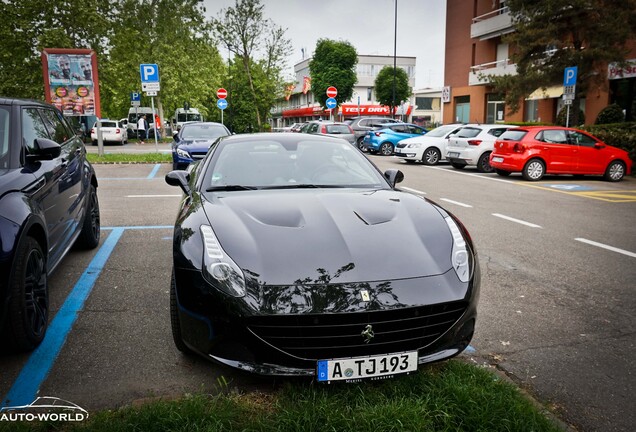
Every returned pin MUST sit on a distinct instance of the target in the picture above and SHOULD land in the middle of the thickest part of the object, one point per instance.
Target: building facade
(300, 104)
(475, 50)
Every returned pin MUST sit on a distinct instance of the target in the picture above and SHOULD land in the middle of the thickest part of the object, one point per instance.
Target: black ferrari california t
(294, 255)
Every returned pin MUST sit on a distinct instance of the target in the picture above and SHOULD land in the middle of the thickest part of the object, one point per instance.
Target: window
(32, 128)
(581, 139)
(415, 130)
(400, 128)
(56, 126)
(553, 136)
(427, 103)
(496, 132)
(4, 137)
(531, 113)
(468, 132)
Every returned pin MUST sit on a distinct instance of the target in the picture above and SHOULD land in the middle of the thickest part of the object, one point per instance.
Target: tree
(333, 64)
(551, 35)
(384, 87)
(255, 42)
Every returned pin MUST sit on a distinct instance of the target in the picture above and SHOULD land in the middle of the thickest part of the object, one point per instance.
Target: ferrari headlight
(461, 256)
(218, 268)
(182, 153)
(414, 145)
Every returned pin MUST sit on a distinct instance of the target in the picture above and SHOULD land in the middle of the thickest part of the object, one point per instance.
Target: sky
(367, 24)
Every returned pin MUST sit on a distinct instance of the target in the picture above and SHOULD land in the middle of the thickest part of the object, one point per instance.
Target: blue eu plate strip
(323, 370)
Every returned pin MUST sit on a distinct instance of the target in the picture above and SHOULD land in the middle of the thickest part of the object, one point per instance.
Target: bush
(610, 114)
(560, 120)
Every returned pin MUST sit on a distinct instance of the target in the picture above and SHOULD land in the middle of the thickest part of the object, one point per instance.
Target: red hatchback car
(538, 150)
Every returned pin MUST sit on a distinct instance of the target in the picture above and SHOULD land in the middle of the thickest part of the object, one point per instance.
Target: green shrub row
(621, 135)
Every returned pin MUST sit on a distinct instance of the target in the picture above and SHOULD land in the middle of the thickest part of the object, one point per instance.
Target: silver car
(334, 129)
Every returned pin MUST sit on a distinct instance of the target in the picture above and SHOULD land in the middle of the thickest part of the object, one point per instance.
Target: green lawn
(130, 158)
(449, 396)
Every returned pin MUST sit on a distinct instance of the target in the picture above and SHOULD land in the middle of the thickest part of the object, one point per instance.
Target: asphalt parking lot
(555, 313)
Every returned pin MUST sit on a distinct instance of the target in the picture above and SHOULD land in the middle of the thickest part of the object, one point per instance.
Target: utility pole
(394, 61)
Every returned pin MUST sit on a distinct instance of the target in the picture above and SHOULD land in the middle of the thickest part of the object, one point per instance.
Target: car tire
(175, 323)
(360, 145)
(457, 165)
(386, 149)
(534, 170)
(89, 236)
(615, 171)
(372, 151)
(28, 309)
(502, 173)
(431, 156)
(483, 164)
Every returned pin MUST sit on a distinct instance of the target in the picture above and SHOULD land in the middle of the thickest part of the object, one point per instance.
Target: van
(133, 118)
(182, 116)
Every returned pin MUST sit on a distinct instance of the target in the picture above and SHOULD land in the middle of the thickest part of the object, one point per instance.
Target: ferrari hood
(284, 237)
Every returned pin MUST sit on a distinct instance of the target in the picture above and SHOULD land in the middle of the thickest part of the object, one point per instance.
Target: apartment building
(475, 51)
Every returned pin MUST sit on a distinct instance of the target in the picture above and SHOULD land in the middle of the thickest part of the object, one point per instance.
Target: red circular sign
(332, 91)
(221, 93)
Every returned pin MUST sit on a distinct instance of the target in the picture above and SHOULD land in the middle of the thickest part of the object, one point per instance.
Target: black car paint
(288, 277)
(43, 196)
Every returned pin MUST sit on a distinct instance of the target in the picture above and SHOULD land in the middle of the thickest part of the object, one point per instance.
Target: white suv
(472, 145)
(429, 148)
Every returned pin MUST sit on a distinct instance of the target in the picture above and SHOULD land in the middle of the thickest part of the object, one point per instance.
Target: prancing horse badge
(365, 295)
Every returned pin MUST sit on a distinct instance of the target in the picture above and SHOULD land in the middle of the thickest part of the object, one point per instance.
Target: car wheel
(534, 170)
(502, 173)
(458, 165)
(89, 237)
(28, 313)
(615, 171)
(360, 145)
(174, 318)
(483, 164)
(372, 151)
(431, 156)
(386, 149)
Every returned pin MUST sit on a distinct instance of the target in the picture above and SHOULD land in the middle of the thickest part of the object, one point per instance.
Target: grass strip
(450, 396)
(129, 158)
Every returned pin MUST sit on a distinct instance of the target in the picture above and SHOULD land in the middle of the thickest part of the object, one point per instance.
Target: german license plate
(374, 367)
(453, 154)
(497, 159)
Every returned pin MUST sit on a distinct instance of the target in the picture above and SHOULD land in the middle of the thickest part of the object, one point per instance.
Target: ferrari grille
(323, 336)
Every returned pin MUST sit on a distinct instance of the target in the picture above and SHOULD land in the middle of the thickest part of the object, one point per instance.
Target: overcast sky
(367, 25)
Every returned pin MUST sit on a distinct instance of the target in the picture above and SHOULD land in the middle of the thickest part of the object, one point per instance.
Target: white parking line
(456, 203)
(152, 196)
(454, 171)
(413, 190)
(519, 221)
(611, 248)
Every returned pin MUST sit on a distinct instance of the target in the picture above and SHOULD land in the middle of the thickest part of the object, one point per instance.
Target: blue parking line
(26, 386)
(140, 227)
(153, 173)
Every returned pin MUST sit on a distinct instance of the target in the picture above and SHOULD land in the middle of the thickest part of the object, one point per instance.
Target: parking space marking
(519, 221)
(412, 190)
(153, 173)
(610, 196)
(26, 386)
(456, 203)
(604, 246)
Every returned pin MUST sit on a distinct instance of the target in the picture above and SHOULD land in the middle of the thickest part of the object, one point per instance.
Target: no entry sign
(332, 92)
(221, 93)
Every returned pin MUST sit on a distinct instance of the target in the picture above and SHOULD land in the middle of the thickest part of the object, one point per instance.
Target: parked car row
(532, 151)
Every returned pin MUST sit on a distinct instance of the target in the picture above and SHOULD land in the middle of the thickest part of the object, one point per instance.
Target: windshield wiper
(302, 186)
(230, 188)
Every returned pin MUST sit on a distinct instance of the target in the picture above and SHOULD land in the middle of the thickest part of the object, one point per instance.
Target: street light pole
(394, 60)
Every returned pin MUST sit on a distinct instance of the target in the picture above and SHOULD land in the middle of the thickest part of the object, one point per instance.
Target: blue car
(193, 140)
(384, 140)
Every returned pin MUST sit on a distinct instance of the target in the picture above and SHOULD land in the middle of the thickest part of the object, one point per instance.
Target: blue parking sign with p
(135, 96)
(569, 76)
(149, 73)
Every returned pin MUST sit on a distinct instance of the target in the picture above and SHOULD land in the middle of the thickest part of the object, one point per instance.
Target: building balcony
(480, 74)
(492, 24)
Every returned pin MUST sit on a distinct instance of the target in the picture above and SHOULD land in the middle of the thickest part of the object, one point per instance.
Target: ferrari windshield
(271, 163)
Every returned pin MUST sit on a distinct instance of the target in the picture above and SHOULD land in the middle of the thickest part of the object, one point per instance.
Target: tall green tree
(255, 42)
(28, 26)
(333, 64)
(384, 87)
(551, 35)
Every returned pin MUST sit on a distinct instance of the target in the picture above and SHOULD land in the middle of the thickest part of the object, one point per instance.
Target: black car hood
(284, 237)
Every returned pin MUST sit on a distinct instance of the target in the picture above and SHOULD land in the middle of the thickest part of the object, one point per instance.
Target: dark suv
(48, 202)
(361, 125)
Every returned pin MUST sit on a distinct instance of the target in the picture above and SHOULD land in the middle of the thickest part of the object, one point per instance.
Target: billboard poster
(71, 81)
